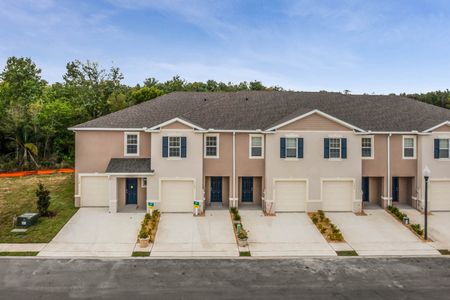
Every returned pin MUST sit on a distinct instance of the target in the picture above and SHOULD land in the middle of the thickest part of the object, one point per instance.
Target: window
(291, 147)
(409, 147)
(131, 144)
(256, 146)
(211, 146)
(443, 148)
(174, 146)
(144, 182)
(367, 147)
(335, 148)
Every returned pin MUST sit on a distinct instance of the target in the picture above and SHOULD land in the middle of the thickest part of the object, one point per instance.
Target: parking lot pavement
(438, 226)
(96, 232)
(378, 233)
(286, 234)
(182, 234)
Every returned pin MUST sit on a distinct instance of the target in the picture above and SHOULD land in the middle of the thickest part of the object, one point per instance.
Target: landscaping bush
(417, 229)
(242, 234)
(43, 201)
(315, 220)
(143, 233)
(237, 217)
(233, 210)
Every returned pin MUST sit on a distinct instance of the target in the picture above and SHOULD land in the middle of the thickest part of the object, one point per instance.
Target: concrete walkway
(30, 247)
(379, 233)
(95, 232)
(438, 226)
(286, 234)
(182, 234)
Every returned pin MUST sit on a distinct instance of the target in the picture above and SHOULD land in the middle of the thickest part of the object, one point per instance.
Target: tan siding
(176, 125)
(401, 167)
(377, 167)
(315, 122)
(222, 166)
(444, 128)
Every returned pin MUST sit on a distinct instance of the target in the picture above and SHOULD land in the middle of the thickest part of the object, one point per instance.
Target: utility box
(27, 219)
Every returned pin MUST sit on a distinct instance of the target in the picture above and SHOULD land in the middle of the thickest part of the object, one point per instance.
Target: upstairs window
(442, 148)
(211, 146)
(409, 147)
(291, 147)
(174, 146)
(367, 147)
(335, 148)
(131, 144)
(256, 146)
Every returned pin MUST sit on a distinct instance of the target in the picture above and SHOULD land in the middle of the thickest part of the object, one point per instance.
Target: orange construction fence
(36, 172)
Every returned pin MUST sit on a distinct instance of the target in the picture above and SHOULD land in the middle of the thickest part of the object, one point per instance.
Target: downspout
(234, 170)
(389, 170)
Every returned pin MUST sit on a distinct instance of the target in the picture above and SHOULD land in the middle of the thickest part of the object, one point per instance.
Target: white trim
(437, 126)
(339, 148)
(372, 146)
(250, 136)
(439, 149)
(168, 122)
(216, 135)
(142, 182)
(316, 111)
(414, 143)
(125, 143)
(286, 148)
(173, 147)
(415, 132)
(106, 129)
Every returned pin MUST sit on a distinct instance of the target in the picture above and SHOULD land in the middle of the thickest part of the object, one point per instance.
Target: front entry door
(395, 189)
(365, 188)
(216, 189)
(247, 189)
(131, 191)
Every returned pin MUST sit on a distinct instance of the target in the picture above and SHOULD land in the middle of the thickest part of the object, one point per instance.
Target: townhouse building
(278, 151)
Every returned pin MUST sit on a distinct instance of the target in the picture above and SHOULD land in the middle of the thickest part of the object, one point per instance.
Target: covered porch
(128, 184)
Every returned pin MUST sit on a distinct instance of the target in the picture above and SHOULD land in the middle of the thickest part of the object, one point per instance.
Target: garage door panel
(337, 196)
(177, 195)
(290, 196)
(439, 195)
(94, 191)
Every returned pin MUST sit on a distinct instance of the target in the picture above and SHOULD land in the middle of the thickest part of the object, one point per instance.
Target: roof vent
(204, 99)
(246, 98)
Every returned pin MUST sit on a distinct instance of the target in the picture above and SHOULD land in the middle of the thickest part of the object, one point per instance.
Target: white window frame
(372, 147)
(414, 146)
(144, 182)
(125, 143)
(286, 148)
(251, 136)
(340, 148)
(448, 148)
(169, 147)
(205, 155)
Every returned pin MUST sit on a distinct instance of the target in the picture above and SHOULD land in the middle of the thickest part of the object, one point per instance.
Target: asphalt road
(306, 278)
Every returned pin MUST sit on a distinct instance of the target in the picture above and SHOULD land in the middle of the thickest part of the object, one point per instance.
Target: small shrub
(143, 234)
(321, 213)
(237, 217)
(326, 221)
(233, 210)
(336, 237)
(323, 230)
(417, 229)
(315, 220)
(43, 201)
(242, 234)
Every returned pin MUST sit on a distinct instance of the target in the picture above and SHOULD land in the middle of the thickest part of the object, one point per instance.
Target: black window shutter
(282, 147)
(326, 148)
(165, 146)
(300, 147)
(183, 146)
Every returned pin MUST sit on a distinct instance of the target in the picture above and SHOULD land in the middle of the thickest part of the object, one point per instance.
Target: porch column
(113, 194)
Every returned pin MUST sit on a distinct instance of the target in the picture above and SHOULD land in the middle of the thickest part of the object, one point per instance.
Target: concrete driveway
(95, 232)
(379, 233)
(438, 226)
(182, 234)
(286, 234)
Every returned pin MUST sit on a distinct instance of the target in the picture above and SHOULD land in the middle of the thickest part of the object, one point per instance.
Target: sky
(366, 46)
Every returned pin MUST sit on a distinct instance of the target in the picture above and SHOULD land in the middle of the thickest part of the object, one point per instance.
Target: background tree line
(35, 115)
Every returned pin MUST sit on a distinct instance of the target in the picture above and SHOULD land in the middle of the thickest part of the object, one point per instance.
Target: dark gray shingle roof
(263, 109)
(129, 165)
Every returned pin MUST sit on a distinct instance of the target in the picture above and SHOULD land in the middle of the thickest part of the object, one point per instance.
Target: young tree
(43, 201)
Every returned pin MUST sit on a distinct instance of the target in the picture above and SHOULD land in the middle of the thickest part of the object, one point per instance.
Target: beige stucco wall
(313, 166)
(190, 167)
(440, 168)
(94, 149)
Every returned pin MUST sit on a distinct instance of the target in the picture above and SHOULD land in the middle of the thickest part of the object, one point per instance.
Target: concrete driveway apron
(378, 233)
(96, 232)
(286, 234)
(182, 234)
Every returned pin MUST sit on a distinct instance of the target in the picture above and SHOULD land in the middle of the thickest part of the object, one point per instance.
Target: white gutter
(392, 132)
(389, 169)
(234, 167)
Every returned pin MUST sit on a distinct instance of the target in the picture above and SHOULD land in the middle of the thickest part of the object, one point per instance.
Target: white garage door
(94, 191)
(337, 195)
(290, 195)
(439, 193)
(177, 195)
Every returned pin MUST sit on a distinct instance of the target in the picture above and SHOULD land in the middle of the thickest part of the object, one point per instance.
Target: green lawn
(17, 196)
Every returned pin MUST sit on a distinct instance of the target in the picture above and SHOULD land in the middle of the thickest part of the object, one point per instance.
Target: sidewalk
(22, 247)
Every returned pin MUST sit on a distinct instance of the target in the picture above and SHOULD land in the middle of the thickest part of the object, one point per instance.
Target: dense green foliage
(35, 115)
